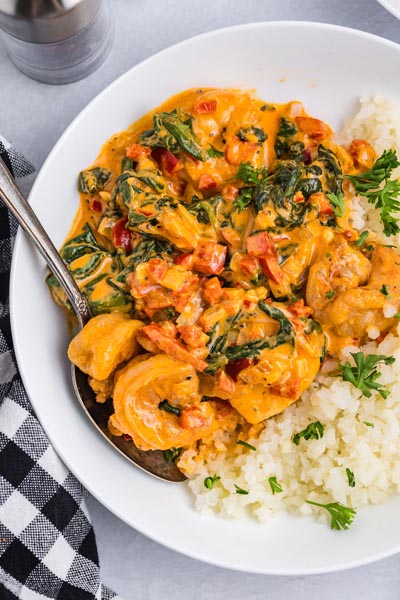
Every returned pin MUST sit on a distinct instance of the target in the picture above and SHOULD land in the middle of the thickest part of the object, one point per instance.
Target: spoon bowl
(152, 461)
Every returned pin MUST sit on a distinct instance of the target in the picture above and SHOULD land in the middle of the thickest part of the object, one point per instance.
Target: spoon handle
(18, 205)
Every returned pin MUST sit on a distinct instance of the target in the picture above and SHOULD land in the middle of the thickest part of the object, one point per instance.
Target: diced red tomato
(96, 205)
(298, 197)
(167, 161)
(207, 182)
(157, 268)
(230, 192)
(135, 151)
(249, 265)
(225, 383)
(234, 367)
(173, 347)
(122, 237)
(205, 107)
(271, 268)
(322, 203)
(193, 336)
(185, 260)
(191, 418)
(212, 290)
(299, 309)
(314, 128)
(260, 244)
(209, 257)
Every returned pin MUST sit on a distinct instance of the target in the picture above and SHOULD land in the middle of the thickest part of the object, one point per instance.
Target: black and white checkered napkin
(47, 544)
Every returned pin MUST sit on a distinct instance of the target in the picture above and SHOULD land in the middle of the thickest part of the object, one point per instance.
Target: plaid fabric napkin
(47, 544)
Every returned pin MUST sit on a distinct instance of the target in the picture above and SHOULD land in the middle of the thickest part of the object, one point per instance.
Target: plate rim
(13, 277)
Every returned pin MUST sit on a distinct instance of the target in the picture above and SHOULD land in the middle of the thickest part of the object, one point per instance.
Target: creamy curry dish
(215, 243)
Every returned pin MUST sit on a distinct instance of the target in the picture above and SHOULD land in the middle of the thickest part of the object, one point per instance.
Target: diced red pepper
(299, 309)
(212, 290)
(157, 268)
(167, 161)
(184, 260)
(225, 383)
(248, 265)
(127, 437)
(205, 107)
(207, 182)
(191, 418)
(306, 156)
(193, 336)
(234, 367)
(230, 192)
(271, 268)
(122, 237)
(209, 257)
(96, 205)
(298, 197)
(260, 244)
(322, 203)
(135, 151)
(173, 347)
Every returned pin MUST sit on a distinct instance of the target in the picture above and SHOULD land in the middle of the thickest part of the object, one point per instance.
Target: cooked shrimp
(104, 343)
(139, 390)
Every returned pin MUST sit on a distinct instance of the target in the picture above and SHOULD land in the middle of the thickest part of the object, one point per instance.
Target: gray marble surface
(33, 116)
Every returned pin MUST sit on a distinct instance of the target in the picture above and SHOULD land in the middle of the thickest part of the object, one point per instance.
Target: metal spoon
(152, 462)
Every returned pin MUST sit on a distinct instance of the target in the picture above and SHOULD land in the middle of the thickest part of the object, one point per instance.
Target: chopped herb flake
(241, 491)
(350, 477)
(246, 445)
(209, 482)
(276, 487)
(314, 431)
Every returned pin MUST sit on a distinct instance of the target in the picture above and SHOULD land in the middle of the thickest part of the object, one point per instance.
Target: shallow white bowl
(328, 68)
(392, 6)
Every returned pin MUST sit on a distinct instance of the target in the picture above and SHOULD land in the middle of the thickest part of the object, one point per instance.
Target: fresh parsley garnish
(351, 478)
(381, 191)
(337, 203)
(214, 152)
(314, 431)
(361, 239)
(384, 290)
(241, 491)
(169, 408)
(369, 424)
(243, 199)
(276, 487)
(246, 445)
(249, 174)
(209, 482)
(172, 454)
(341, 516)
(364, 375)
(330, 294)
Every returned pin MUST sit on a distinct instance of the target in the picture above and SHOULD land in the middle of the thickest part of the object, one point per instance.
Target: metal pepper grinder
(56, 41)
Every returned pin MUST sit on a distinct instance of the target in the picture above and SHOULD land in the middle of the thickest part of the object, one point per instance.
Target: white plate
(392, 6)
(327, 67)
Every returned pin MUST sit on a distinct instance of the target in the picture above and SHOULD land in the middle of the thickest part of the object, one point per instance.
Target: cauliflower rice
(361, 434)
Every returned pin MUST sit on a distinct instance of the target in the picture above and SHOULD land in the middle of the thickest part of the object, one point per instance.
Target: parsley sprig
(376, 186)
(365, 374)
(341, 516)
(337, 203)
(209, 482)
